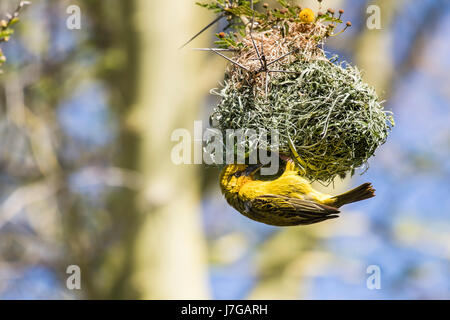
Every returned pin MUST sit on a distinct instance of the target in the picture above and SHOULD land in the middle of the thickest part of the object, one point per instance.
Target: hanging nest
(328, 119)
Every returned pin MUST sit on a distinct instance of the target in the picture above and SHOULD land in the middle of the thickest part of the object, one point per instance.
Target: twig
(232, 61)
(214, 49)
(24, 196)
(283, 56)
(251, 36)
(203, 30)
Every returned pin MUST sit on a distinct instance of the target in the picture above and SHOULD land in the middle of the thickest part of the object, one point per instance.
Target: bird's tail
(363, 192)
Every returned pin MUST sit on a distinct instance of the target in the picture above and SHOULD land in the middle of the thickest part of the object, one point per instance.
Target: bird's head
(234, 176)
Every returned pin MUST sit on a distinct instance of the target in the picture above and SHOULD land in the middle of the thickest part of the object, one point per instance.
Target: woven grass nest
(327, 118)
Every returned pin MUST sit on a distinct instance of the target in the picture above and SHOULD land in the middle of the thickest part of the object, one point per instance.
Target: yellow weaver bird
(288, 200)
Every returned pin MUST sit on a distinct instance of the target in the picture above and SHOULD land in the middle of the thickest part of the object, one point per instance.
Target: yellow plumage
(286, 201)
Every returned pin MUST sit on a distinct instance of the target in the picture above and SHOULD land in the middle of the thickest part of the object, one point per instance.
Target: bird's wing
(284, 211)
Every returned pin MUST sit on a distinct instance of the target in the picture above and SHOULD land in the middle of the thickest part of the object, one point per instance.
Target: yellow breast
(289, 184)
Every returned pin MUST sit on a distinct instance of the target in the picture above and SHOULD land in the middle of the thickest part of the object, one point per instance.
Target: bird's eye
(238, 174)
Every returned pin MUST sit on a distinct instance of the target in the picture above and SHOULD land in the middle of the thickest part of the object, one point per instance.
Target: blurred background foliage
(86, 177)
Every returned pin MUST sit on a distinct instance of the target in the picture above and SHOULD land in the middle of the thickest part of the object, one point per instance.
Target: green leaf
(283, 3)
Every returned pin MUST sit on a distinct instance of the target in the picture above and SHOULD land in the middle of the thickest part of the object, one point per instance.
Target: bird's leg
(284, 157)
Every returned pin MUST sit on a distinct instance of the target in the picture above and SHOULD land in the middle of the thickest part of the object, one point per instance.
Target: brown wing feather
(285, 211)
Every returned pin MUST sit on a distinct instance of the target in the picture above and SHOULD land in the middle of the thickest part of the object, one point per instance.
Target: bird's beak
(252, 169)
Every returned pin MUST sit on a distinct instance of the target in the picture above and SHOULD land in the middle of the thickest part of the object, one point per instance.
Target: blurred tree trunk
(161, 252)
(169, 256)
(373, 48)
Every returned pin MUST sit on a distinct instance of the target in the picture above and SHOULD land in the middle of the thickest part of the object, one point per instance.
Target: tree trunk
(169, 256)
